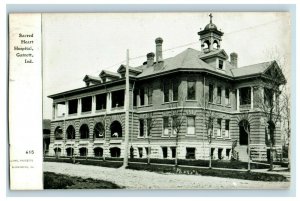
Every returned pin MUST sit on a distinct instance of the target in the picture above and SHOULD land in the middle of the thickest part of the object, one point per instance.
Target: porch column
(238, 99)
(79, 107)
(108, 101)
(66, 108)
(251, 98)
(93, 104)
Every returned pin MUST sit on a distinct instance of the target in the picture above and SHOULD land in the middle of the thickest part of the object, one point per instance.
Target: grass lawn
(256, 176)
(61, 181)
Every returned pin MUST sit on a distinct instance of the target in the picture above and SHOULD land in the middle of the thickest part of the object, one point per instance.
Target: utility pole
(125, 162)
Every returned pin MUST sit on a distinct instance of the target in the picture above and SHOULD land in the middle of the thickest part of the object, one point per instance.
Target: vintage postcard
(150, 100)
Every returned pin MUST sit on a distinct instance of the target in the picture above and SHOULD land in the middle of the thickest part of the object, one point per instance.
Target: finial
(210, 15)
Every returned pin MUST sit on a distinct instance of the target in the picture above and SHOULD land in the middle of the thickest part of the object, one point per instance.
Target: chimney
(159, 42)
(150, 59)
(234, 59)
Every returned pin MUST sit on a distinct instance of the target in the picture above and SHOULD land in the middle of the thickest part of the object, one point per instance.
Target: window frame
(194, 124)
(194, 90)
(141, 130)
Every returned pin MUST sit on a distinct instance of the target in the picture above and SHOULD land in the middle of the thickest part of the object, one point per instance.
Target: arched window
(99, 131)
(83, 151)
(116, 129)
(206, 44)
(215, 45)
(98, 152)
(84, 132)
(57, 151)
(70, 151)
(58, 133)
(70, 132)
(115, 152)
(244, 131)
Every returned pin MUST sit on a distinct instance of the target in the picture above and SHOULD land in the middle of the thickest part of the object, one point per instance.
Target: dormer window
(221, 64)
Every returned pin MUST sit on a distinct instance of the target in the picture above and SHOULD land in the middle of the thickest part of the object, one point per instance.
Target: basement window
(165, 152)
(86, 104)
(173, 150)
(117, 98)
(140, 152)
(101, 102)
(190, 153)
(73, 104)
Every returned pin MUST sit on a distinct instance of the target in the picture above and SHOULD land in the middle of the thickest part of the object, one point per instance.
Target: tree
(286, 120)
(177, 114)
(149, 126)
(209, 118)
(269, 102)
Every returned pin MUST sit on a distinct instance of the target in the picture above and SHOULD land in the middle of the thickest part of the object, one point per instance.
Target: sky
(75, 45)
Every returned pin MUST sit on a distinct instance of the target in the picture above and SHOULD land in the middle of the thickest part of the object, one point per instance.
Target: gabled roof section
(215, 53)
(268, 69)
(88, 78)
(132, 71)
(106, 73)
(251, 69)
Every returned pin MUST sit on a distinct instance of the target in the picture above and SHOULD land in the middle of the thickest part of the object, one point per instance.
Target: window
(142, 96)
(219, 92)
(191, 90)
(84, 131)
(190, 153)
(268, 97)
(149, 126)
(115, 152)
(140, 149)
(100, 101)
(117, 98)
(70, 132)
(221, 64)
(190, 125)
(116, 129)
(86, 104)
(147, 150)
(73, 106)
(98, 152)
(58, 133)
(99, 131)
(135, 94)
(228, 153)
(227, 128)
(227, 99)
(175, 90)
(165, 152)
(245, 95)
(60, 109)
(173, 150)
(219, 128)
(141, 128)
(150, 91)
(211, 93)
(83, 151)
(166, 125)
(166, 91)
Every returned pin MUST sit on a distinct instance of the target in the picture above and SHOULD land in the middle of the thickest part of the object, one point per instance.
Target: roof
(93, 78)
(251, 69)
(188, 59)
(108, 73)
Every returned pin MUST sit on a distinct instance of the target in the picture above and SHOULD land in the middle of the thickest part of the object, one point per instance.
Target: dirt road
(133, 179)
